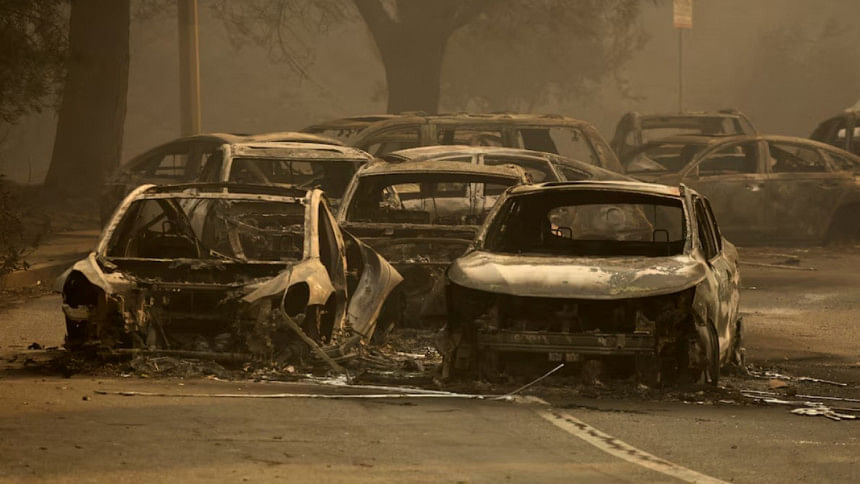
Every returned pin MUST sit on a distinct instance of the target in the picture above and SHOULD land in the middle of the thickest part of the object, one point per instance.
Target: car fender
(378, 280)
(309, 271)
(90, 269)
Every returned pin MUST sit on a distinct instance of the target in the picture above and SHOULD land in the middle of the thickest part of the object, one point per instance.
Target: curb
(44, 273)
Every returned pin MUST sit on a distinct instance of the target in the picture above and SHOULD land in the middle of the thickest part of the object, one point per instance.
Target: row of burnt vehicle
(283, 245)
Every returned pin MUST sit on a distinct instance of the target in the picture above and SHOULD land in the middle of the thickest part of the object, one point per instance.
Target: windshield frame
(630, 157)
(139, 195)
(480, 243)
(406, 177)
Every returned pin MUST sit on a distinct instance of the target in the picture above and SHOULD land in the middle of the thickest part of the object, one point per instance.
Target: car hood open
(576, 277)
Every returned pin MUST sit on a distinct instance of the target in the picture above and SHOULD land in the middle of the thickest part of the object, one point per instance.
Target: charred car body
(422, 215)
(541, 166)
(842, 131)
(635, 129)
(773, 189)
(239, 269)
(303, 165)
(180, 161)
(549, 133)
(586, 270)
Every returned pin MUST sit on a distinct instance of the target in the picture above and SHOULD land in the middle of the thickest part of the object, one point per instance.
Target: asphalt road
(799, 322)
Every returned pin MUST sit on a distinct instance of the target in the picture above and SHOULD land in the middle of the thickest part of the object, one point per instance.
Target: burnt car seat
(166, 245)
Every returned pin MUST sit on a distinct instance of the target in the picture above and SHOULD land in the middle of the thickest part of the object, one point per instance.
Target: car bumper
(575, 343)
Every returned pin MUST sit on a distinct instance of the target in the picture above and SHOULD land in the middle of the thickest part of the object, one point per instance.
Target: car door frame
(722, 278)
(804, 200)
(750, 184)
(337, 273)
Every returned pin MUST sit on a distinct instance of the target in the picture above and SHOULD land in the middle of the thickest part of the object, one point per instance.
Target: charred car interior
(212, 268)
(422, 215)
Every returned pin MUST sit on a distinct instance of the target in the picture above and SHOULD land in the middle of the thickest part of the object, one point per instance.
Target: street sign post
(682, 18)
(682, 14)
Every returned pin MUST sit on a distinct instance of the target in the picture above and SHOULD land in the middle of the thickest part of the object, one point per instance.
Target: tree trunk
(413, 72)
(88, 143)
(411, 37)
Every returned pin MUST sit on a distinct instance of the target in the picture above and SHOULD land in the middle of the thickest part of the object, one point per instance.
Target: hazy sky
(786, 63)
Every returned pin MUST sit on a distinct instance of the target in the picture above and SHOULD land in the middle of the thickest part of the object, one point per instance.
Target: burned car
(635, 129)
(765, 189)
(540, 166)
(180, 161)
(420, 216)
(550, 133)
(303, 165)
(578, 271)
(841, 131)
(260, 271)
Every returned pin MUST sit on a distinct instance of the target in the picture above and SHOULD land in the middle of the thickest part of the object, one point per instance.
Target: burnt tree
(519, 51)
(411, 38)
(92, 112)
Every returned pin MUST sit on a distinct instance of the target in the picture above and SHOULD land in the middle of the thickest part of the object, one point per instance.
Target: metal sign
(682, 14)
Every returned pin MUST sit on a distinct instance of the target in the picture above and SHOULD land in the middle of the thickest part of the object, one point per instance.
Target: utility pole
(680, 70)
(682, 19)
(189, 68)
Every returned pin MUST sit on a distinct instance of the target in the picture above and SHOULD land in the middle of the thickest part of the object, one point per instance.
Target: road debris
(823, 411)
(531, 383)
(776, 384)
(760, 394)
(772, 375)
(805, 407)
(322, 396)
(778, 266)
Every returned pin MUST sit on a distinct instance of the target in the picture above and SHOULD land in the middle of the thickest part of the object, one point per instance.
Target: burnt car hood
(576, 277)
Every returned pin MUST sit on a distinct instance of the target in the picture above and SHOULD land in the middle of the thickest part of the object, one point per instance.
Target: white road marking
(620, 449)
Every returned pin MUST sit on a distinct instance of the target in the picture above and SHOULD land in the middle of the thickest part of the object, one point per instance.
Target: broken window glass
(435, 199)
(563, 140)
(654, 129)
(668, 157)
(843, 163)
(585, 223)
(330, 176)
(171, 165)
(470, 135)
(729, 160)
(394, 140)
(792, 158)
(539, 171)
